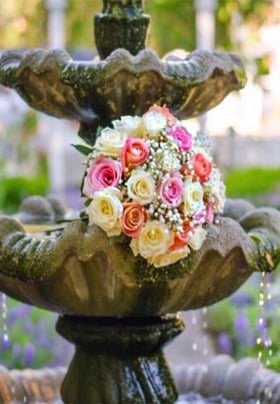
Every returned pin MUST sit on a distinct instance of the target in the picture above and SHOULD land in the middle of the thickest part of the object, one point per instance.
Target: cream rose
(131, 125)
(141, 187)
(193, 198)
(197, 238)
(110, 142)
(153, 240)
(154, 122)
(171, 257)
(105, 210)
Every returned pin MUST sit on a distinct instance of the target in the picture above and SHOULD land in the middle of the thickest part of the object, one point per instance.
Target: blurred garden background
(36, 157)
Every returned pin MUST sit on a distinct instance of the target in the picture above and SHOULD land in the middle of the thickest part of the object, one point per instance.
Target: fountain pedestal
(119, 360)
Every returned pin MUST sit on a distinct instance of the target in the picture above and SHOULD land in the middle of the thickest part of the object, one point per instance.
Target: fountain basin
(75, 270)
(222, 379)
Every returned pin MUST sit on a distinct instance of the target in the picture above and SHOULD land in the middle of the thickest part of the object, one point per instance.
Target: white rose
(141, 187)
(110, 142)
(193, 198)
(105, 210)
(131, 125)
(154, 122)
(153, 240)
(197, 238)
(171, 257)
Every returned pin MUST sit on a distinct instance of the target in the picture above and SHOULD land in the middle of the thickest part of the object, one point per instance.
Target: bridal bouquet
(149, 179)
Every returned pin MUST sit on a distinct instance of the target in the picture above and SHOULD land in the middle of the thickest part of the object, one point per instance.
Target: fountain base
(119, 360)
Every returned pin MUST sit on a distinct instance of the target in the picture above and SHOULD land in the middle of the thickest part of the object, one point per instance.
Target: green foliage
(252, 181)
(246, 10)
(24, 24)
(14, 189)
(172, 25)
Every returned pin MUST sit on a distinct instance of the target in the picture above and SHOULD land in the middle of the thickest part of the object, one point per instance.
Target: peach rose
(202, 166)
(134, 153)
(134, 215)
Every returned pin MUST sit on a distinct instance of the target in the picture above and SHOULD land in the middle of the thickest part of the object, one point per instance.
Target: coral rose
(134, 215)
(182, 238)
(134, 153)
(102, 173)
(202, 167)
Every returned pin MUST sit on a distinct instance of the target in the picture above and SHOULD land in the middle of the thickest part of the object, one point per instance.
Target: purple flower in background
(241, 299)
(19, 312)
(241, 326)
(224, 343)
(5, 342)
(261, 325)
(28, 354)
(15, 350)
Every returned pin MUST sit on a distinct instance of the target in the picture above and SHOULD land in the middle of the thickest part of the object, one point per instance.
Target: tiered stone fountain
(117, 313)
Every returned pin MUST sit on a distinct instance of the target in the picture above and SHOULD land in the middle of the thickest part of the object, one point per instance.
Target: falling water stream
(263, 340)
(4, 327)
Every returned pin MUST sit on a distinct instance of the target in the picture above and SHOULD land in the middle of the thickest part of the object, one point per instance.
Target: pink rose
(171, 190)
(134, 215)
(134, 153)
(202, 167)
(181, 137)
(103, 172)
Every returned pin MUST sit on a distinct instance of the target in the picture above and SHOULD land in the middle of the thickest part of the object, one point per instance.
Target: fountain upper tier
(97, 92)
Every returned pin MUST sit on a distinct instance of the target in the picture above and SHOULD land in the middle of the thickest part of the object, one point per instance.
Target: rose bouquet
(149, 179)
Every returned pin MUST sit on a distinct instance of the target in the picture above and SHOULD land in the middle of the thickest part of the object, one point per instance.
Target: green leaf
(86, 150)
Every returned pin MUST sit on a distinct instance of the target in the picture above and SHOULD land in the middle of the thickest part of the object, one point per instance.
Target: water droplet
(194, 319)
(194, 346)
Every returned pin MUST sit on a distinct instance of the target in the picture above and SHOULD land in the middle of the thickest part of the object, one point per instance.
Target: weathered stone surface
(243, 381)
(104, 279)
(80, 90)
(236, 208)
